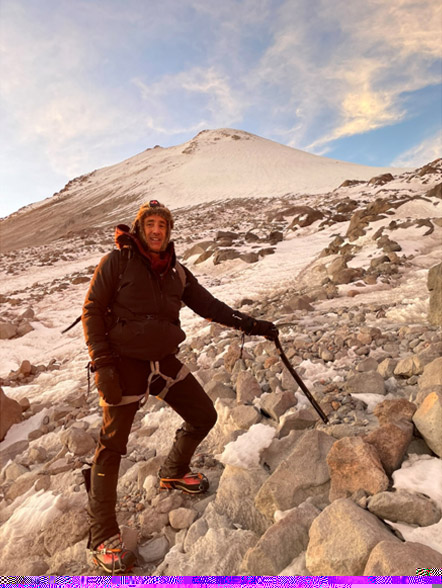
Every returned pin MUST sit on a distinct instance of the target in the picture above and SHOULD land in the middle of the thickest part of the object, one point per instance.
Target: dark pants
(186, 397)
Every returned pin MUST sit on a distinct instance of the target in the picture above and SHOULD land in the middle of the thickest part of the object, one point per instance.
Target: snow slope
(215, 165)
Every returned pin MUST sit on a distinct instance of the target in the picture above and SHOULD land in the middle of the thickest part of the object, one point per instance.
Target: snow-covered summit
(214, 165)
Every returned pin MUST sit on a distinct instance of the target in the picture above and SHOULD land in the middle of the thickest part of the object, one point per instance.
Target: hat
(151, 208)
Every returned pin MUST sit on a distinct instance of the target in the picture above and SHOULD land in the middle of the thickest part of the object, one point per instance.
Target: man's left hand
(265, 329)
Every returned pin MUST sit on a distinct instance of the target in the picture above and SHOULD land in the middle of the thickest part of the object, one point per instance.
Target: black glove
(251, 326)
(108, 384)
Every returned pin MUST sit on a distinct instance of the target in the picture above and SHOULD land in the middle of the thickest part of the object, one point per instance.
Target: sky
(89, 83)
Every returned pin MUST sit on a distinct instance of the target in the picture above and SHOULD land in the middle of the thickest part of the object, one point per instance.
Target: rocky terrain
(354, 281)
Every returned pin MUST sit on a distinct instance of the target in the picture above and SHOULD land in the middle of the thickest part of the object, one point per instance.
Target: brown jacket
(136, 314)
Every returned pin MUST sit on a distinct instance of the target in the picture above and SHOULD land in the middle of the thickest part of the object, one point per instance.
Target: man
(132, 329)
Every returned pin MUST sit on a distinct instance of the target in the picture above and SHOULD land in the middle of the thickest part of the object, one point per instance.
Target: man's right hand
(108, 384)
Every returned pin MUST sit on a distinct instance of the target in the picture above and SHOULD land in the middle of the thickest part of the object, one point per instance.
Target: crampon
(112, 556)
(191, 483)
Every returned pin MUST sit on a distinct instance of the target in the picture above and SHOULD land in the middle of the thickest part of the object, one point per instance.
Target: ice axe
(299, 381)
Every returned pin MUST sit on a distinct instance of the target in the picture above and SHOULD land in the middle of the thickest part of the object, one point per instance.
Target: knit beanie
(150, 209)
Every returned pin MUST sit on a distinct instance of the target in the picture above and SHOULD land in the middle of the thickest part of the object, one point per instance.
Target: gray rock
(367, 365)
(434, 284)
(12, 451)
(247, 387)
(277, 403)
(78, 442)
(280, 449)
(75, 526)
(428, 419)
(245, 416)
(406, 507)
(218, 390)
(302, 474)
(342, 538)
(197, 530)
(229, 546)
(386, 367)
(393, 558)
(154, 550)
(366, 383)
(14, 471)
(21, 485)
(303, 418)
(355, 465)
(182, 518)
(235, 497)
(281, 543)
(432, 375)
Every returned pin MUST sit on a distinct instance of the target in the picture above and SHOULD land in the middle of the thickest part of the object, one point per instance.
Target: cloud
(425, 152)
(352, 79)
(218, 103)
(88, 80)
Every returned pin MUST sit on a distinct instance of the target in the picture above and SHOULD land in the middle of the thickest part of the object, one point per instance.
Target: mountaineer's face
(155, 232)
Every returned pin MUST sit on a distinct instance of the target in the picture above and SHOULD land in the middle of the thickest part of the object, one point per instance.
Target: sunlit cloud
(87, 83)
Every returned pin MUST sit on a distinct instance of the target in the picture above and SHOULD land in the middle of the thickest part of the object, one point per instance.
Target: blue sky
(88, 83)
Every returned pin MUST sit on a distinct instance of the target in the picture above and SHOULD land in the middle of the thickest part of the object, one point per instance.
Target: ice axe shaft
(299, 381)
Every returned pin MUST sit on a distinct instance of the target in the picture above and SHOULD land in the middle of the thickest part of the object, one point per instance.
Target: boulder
(235, 497)
(393, 558)
(393, 410)
(355, 465)
(75, 526)
(7, 330)
(302, 474)
(229, 545)
(11, 413)
(432, 375)
(434, 284)
(391, 442)
(224, 255)
(428, 419)
(281, 543)
(409, 366)
(386, 367)
(342, 538)
(366, 383)
(406, 507)
(299, 303)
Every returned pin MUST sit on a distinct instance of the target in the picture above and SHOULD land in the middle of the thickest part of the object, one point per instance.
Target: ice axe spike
(299, 381)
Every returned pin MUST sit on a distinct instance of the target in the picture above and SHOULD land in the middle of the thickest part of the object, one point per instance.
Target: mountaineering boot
(112, 556)
(191, 483)
(101, 483)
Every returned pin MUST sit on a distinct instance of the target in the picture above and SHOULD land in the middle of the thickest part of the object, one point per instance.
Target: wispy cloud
(368, 54)
(429, 150)
(88, 82)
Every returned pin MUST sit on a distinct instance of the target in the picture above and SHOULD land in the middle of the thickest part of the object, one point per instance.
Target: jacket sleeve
(206, 305)
(99, 296)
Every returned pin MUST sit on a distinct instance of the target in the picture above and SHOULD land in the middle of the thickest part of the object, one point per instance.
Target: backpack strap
(123, 259)
(181, 273)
